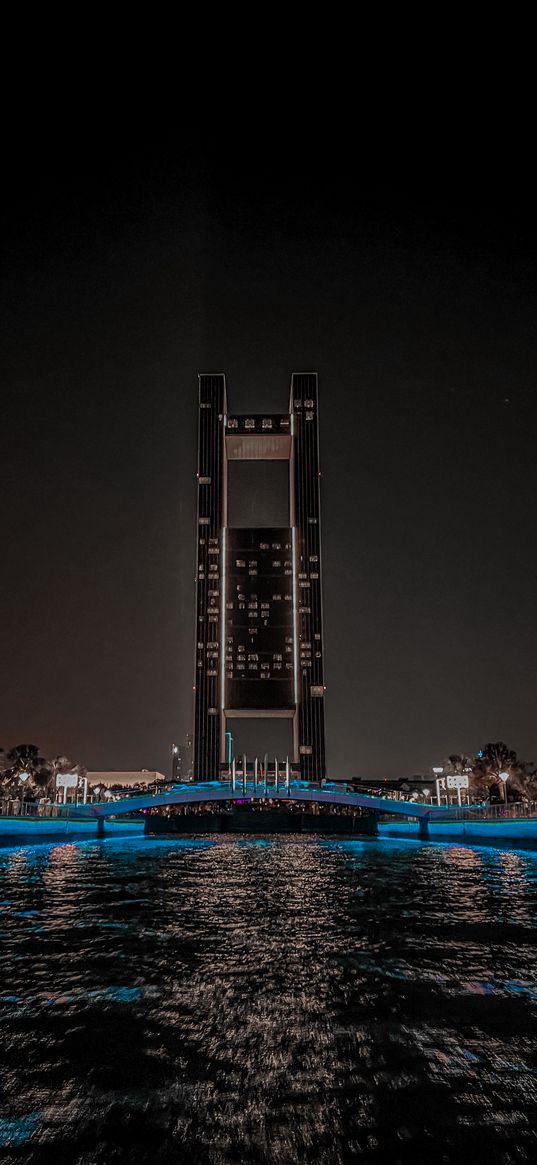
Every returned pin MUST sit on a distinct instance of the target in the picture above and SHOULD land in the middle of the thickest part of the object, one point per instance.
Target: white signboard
(66, 781)
(457, 782)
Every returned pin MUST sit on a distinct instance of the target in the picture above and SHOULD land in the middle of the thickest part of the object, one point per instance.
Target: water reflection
(268, 1000)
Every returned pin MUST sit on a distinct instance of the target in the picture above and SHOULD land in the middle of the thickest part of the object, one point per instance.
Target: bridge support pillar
(100, 827)
(424, 828)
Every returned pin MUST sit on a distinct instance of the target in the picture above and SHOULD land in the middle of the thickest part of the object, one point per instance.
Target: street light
(504, 777)
(23, 777)
(439, 769)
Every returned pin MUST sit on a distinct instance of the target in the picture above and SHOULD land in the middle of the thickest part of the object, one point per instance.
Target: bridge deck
(213, 791)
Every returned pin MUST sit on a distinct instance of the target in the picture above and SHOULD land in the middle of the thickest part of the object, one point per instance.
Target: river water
(268, 1000)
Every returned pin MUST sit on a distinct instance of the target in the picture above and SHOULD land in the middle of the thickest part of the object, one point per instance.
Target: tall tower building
(259, 635)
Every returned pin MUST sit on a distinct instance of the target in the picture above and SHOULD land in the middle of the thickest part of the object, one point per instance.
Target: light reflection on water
(268, 1000)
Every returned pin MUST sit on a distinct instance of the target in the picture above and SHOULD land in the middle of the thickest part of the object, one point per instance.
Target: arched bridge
(213, 791)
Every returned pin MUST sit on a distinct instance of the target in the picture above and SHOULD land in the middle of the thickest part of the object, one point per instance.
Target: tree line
(23, 767)
(483, 771)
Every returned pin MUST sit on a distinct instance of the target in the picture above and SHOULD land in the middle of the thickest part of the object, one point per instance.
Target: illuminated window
(240, 562)
(266, 423)
(249, 423)
(232, 423)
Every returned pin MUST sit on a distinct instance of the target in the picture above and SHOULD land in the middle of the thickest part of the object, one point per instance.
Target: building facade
(259, 635)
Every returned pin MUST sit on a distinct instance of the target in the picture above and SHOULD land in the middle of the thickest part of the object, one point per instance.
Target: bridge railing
(513, 810)
(12, 807)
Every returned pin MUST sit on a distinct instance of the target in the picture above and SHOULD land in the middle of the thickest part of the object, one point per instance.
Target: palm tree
(495, 759)
(457, 765)
(61, 765)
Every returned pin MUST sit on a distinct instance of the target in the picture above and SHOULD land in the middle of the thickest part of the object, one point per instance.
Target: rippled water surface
(268, 1000)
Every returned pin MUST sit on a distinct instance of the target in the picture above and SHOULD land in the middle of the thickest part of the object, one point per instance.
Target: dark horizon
(414, 300)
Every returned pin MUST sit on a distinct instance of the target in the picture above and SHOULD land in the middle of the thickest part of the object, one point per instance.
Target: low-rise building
(126, 779)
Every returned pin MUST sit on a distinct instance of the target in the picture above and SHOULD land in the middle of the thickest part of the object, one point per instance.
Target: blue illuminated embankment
(523, 829)
(35, 829)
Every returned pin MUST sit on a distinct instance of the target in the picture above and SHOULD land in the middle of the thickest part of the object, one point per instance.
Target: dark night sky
(414, 298)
